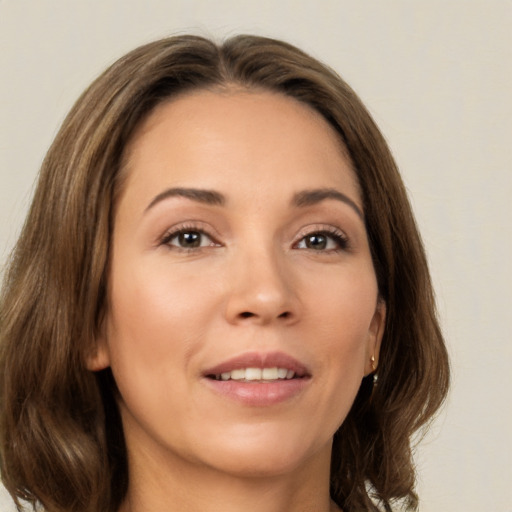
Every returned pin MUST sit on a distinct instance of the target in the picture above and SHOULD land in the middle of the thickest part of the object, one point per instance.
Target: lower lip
(259, 394)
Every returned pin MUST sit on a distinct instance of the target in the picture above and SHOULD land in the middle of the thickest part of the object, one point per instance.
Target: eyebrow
(315, 196)
(211, 197)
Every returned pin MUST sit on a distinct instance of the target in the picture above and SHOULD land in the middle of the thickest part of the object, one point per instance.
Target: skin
(256, 282)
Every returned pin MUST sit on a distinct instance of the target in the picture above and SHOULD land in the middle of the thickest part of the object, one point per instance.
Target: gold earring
(374, 370)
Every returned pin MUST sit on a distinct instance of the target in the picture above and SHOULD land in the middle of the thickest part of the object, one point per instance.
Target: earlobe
(98, 358)
(375, 334)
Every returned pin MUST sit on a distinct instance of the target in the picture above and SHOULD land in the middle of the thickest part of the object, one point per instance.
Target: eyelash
(334, 234)
(168, 237)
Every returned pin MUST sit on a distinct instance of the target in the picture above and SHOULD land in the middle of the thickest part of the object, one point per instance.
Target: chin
(259, 466)
(264, 454)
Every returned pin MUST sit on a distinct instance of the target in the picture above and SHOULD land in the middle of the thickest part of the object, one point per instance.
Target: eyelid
(183, 227)
(339, 236)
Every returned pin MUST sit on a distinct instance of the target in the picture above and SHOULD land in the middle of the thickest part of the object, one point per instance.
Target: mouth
(258, 367)
(263, 375)
(260, 380)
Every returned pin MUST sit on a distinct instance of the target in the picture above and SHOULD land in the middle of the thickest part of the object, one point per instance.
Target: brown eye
(188, 239)
(323, 241)
(316, 241)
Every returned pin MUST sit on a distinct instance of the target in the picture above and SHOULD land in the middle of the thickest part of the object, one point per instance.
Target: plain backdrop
(436, 75)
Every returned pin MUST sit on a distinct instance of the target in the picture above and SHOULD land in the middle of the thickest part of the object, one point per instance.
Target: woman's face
(243, 307)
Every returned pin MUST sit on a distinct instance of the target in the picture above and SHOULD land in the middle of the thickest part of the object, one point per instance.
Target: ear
(375, 334)
(99, 357)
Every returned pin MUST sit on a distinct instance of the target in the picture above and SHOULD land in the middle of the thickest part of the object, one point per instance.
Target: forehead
(217, 139)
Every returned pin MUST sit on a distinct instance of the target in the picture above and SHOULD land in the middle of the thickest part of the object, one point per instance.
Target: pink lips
(258, 393)
(258, 360)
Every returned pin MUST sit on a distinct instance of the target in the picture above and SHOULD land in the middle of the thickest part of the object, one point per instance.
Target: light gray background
(436, 75)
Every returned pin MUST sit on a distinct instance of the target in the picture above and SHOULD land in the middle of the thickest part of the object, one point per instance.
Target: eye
(188, 239)
(323, 241)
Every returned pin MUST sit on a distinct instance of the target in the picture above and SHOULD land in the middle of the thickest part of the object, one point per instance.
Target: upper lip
(259, 360)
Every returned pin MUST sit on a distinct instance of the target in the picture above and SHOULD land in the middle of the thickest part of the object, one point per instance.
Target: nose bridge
(261, 285)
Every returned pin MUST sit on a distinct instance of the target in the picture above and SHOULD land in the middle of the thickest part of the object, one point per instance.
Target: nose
(262, 290)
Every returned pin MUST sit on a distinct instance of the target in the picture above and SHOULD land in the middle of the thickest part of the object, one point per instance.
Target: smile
(258, 379)
(256, 374)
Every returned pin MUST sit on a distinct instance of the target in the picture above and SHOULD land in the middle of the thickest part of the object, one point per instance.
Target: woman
(219, 258)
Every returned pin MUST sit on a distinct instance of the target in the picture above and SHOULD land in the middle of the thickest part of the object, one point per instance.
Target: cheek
(152, 302)
(156, 324)
(342, 304)
(342, 310)
(156, 320)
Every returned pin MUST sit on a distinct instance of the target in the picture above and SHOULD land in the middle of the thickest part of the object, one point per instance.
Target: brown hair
(61, 440)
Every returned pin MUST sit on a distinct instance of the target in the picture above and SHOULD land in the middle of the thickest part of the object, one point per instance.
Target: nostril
(249, 314)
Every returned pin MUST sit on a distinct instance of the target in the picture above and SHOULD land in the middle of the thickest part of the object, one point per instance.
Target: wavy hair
(61, 439)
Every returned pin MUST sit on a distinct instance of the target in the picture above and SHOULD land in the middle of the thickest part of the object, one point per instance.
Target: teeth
(237, 374)
(251, 374)
(281, 373)
(269, 374)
